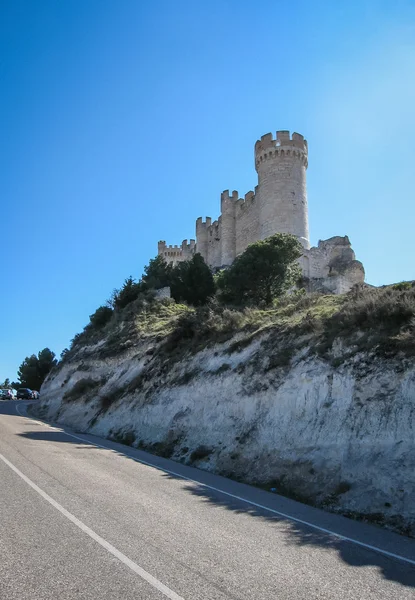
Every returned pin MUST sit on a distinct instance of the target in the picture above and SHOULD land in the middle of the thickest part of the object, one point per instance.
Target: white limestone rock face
(342, 438)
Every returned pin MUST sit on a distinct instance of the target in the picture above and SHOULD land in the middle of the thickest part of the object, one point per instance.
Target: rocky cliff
(314, 399)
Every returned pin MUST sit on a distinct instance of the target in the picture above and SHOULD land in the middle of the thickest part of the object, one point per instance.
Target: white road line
(97, 538)
(211, 487)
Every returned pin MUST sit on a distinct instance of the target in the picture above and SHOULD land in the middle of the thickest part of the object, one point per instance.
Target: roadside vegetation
(32, 371)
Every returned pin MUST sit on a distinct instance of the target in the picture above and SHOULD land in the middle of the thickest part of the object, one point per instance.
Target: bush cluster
(387, 308)
(211, 322)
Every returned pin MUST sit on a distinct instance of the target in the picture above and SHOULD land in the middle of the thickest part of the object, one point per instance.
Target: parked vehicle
(24, 394)
(9, 394)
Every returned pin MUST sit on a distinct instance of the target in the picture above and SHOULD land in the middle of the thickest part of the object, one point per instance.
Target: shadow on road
(294, 532)
(302, 535)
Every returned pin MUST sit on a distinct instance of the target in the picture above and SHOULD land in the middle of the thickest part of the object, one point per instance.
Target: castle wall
(246, 222)
(229, 236)
(176, 254)
(202, 228)
(228, 230)
(214, 244)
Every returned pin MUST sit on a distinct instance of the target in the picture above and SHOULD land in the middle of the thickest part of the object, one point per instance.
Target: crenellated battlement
(245, 203)
(225, 195)
(201, 224)
(175, 253)
(188, 247)
(282, 138)
(283, 145)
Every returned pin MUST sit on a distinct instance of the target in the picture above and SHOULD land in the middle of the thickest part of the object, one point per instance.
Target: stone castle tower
(278, 205)
(281, 193)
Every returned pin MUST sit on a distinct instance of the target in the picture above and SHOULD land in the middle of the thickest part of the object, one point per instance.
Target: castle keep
(278, 205)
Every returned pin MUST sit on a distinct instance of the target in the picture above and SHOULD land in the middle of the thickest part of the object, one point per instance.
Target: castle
(278, 205)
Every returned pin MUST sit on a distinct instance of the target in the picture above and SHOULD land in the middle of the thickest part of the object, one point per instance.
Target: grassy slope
(379, 320)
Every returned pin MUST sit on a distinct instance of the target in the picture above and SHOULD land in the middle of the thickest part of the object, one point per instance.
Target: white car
(9, 394)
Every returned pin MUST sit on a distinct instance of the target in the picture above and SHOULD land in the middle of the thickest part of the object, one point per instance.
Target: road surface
(105, 521)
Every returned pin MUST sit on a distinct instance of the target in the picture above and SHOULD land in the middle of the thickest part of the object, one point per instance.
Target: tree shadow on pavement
(299, 534)
(295, 533)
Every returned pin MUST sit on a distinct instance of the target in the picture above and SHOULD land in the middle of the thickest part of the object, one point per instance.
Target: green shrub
(210, 323)
(386, 308)
(127, 294)
(192, 282)
(403, 285)
(101, 316)
(64, 354)
(157, 274)
(266, 270)
(81, 388)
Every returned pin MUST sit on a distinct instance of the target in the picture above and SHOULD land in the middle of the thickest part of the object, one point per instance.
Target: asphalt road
(110, 522)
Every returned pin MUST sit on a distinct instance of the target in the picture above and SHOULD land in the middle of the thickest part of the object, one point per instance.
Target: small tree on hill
(266, 270)
(28, 373)
(64, 353)
(101, 316)
(128, 293)
(192, 281)
(46, 361)
(157, 274)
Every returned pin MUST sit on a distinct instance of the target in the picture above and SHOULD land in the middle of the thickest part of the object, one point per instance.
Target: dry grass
(384, 318)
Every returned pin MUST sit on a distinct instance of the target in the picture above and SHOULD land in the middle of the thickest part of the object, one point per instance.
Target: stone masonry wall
(246, 222)
(213, 257)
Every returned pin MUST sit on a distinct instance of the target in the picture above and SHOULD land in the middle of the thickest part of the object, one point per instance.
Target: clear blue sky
(121, 122)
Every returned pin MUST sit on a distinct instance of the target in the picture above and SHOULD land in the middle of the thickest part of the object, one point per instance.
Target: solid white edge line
(97, 538)
(251, 502)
